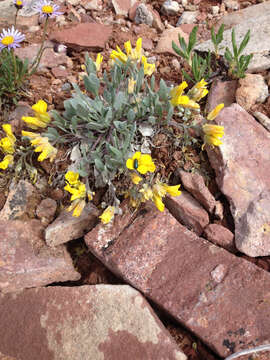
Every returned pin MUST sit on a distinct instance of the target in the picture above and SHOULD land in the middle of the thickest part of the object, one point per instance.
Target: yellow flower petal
(107, 214)
(214, 113)
(173, 190)
(158, 202)
(135, 178)
(40, 107)
(72, 177)
(8, 160)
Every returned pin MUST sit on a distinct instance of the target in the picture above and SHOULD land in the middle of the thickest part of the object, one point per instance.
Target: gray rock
(241, 16)
(170, 7)
(252, 234)
(21, 202)
(188, 17)
(258, 43)
(83, 323)
(143, 15)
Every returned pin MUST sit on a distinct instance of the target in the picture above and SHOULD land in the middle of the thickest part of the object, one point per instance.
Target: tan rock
(165, 42)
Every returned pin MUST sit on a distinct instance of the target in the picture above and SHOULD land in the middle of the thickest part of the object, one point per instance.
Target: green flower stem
(15, 67)
(41, 49)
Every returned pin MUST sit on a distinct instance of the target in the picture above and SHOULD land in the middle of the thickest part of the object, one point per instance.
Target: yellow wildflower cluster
(78, 192)
(178, 99)
(141, 164)
(198, 91)
(41, 145)
(7, 146)
(133, 54)
(41, 118)
(213, 133)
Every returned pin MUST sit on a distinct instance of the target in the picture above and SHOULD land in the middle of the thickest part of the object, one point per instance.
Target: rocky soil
(190, 283)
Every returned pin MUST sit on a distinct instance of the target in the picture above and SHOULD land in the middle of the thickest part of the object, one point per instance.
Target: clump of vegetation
(201, 67)
(107, 126)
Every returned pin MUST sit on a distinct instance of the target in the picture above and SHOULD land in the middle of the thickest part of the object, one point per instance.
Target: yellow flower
(7, 129)
(160, 190)
(148, 68)
(78, 191)
(77, 207)
(183, 100)
(214, 113)
(7, 143)
(8, 160)
(198, 91)
(41, 118)
(72, 177)
(118, 55)
(141, 162)
(135, 178)
(158, 202)
(213, 133)
(178, 90)
(147, 192)
(7, 146)
(98, 61)
(42, 145)
(107, 214)
(131, 85)
(134, 54)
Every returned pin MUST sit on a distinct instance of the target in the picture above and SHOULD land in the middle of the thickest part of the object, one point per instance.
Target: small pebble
(170, 7)
(215, 10)
(231, 4)
(176, 64)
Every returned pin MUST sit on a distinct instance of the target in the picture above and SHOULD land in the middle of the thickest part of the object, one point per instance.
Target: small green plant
(201, 67)
(238, 64)
(217, 38)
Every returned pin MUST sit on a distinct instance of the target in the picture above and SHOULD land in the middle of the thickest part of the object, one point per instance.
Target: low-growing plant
(13, 71)
(238, 63)
(201, 67)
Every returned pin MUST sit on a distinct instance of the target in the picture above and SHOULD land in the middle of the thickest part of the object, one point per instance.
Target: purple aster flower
(47, 9)
(10, 38)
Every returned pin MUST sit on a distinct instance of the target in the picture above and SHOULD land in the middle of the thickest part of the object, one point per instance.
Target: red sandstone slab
(91, 36)
(104, 322)
(221, 298)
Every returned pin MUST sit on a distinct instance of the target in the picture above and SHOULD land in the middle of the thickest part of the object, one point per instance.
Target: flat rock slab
(26, 261)
(101, 322)
(242, 166)
(243, 15)
(223, 299)
(67, 227)
(258, 44)
(91, 36)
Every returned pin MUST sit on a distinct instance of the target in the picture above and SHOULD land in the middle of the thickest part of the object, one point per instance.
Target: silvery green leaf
(146, 129)
(52, 134)
(131, 115)
(152, 120)
(163, 90)
(115, 151)
(119, 100)
(89, 63)
(91, 83)
(140, 79)
(99, 164)
(120, 125)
